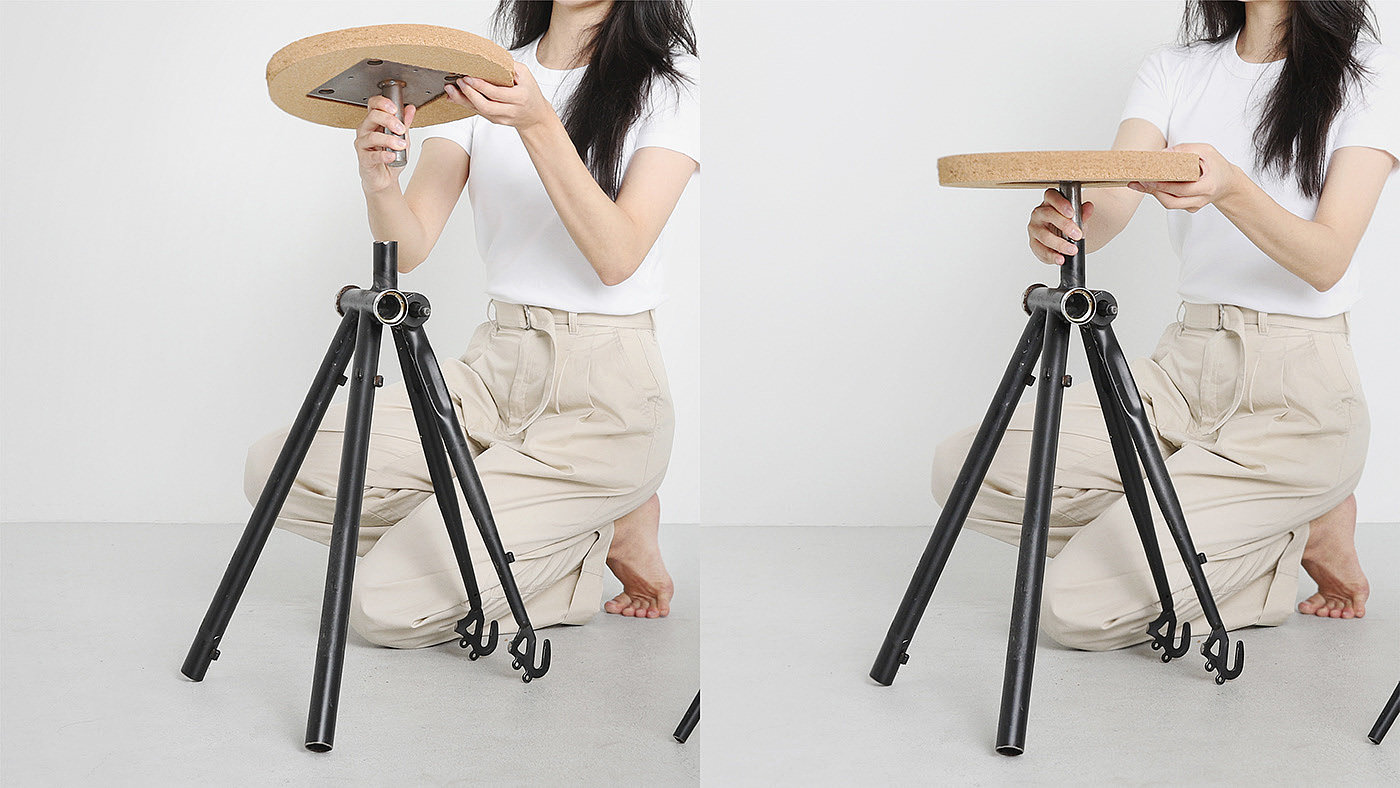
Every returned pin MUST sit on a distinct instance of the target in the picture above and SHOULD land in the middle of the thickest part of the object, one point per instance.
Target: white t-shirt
(530, 258)
(1207, 93)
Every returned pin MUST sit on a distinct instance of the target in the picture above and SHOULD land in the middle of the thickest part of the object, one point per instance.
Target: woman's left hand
(1218, 178)
(521, 105)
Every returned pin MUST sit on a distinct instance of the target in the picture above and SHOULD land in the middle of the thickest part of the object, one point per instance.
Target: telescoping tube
(1074, 304)
(389, 307)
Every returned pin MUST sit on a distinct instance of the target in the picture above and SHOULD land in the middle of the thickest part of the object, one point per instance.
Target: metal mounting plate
(355, 85)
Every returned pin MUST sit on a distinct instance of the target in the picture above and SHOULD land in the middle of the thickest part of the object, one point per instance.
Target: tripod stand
(365, 313)
(1052, 311)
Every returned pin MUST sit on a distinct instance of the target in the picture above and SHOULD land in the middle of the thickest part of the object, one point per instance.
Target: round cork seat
(419, 51)
(1038, 169)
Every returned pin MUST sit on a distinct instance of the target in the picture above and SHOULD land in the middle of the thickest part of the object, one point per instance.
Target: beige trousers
(1264, 427)
(569, 419)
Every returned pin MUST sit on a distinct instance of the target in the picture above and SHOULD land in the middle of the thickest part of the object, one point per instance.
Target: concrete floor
(97, 619)
(794, 617)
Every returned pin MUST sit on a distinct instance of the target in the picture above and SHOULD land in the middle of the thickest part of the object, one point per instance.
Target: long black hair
(1319, 66)
(635, 44)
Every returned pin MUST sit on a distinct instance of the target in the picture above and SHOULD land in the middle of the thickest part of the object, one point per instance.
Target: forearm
(608, 238)
(1312, 251)
(391, 219)
(1113, 207)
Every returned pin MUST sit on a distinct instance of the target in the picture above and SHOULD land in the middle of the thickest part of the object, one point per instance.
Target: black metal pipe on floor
(1387, 718)
(274, 493)
(688, 722)
(894, 649)
(345, 533)
(1035, 534)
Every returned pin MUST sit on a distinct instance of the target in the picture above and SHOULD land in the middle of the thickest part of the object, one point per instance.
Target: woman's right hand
(371, 143)
(1052, 229)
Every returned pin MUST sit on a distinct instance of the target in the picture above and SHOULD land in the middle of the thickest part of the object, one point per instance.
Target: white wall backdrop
(171, 243)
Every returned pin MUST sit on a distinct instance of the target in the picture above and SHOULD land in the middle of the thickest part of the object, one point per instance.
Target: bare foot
(1330, 558)
(635, 558)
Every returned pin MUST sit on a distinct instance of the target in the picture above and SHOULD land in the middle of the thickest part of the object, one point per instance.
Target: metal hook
(525, 657)
(1216, 648)
(1166, 641)
(471, 628)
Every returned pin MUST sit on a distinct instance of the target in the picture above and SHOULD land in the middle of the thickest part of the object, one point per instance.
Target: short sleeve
(672, 117)
(1150, 96)
(1371, 116)
(459, 131)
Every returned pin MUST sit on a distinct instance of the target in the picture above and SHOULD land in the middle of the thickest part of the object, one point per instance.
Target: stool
(328, 79)
(1052, 311)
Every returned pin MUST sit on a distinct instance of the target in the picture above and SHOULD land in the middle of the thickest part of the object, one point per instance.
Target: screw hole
(375, 62)
(325, 91)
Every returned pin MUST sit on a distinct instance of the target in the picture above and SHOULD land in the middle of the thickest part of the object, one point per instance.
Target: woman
(1253, 393)
(573, 173)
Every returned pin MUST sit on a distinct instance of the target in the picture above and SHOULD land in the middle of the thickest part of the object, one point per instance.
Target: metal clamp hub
(389, 307)
(1078, 305)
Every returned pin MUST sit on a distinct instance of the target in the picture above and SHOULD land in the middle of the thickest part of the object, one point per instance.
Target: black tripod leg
(274, 494)
(525, 645)
(1163, 629)
(692, 716)
(472, 628)
(345, 533)
(1217, 646)
(1018, 375)
(1035, 533)
(1387, 718)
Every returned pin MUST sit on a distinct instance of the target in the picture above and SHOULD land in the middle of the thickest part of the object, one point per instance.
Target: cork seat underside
(302, 65)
